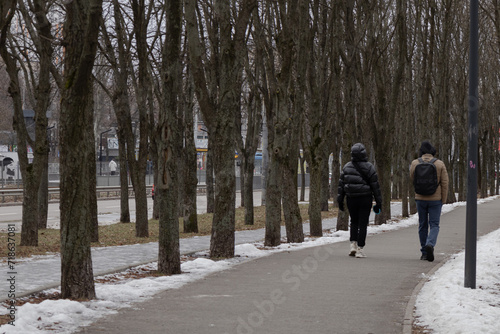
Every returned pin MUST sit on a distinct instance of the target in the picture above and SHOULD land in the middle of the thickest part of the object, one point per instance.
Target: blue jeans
(429, 213)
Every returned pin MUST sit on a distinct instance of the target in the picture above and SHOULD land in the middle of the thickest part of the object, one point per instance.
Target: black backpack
(425, 178)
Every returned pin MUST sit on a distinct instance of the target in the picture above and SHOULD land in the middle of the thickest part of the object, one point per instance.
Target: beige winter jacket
(442, 190)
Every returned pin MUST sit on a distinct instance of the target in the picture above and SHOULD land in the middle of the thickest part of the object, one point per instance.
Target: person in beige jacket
(429, 206)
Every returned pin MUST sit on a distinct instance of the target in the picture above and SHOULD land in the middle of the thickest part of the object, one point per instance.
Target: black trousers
(359, 210)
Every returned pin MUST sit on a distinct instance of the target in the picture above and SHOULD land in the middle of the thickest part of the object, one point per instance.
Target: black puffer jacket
(352, 184)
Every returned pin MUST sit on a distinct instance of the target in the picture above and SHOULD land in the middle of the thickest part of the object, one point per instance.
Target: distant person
(359, 182)
(430, 180)
(112, 167)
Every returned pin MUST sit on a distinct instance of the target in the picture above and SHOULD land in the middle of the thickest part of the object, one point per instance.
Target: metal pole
(471, 217)
(1, 161)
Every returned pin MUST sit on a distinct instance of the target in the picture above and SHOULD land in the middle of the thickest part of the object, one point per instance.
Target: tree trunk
(170, 143)
(242, 168)
(223, 223)
(404, 195)
(141, 201)
(92, 183)
(167, 188)
(265, 159)
(314, 210)
(29, 229)
(209, 176)
(43, 196)
(343, 216)
(384, 176)
(324, 179)
(248, 190)
(81, 32)
(124, 206)
(168, 240)
(143, 92)
(156, 202)
(273, 205)
(190, 214)
(291, 210)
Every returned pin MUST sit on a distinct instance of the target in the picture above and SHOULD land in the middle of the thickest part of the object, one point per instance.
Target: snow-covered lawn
(446, 306)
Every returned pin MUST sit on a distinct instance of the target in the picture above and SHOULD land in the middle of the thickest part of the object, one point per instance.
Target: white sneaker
(360, 253)
(354, 248)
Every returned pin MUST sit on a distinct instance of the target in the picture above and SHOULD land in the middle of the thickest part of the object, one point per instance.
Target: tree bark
(124, 206)
(209, 176)
(251, 116)
(190, 214)
(314, 210)
(81, 30)
(273, 206)
(170, 143)
(143, 92)
(43, 197)
(247, 189)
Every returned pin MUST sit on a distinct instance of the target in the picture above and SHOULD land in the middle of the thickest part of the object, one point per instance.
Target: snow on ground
(446, 306)
(443, 305)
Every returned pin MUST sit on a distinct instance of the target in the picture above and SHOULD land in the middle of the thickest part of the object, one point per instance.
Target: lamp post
(100, 150)
(1, 161)
(471, 213)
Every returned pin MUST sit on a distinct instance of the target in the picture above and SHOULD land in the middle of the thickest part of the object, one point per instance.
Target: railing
(16, 195)
(105, 192)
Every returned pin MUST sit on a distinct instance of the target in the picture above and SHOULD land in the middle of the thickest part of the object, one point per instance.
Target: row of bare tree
(310, 75)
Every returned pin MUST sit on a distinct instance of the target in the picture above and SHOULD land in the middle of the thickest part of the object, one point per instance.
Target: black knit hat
(425, 148)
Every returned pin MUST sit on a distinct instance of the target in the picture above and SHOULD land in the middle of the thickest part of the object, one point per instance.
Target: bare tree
(38, 82)
(284, 109)
(81, 30)
(248, 129)
(189, 211)
(320, 115)
(118, 57)
(272, 186)
(219, 107)
(169, 138)
(141, 15)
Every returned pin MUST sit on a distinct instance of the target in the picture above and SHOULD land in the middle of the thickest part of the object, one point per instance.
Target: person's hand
(341, 205)
(377, 208)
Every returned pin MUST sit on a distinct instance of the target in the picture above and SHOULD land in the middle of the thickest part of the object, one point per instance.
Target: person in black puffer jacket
(359, 182)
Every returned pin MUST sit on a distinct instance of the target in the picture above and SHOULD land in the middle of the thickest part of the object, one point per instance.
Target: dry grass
(124, 233)
(417, 329)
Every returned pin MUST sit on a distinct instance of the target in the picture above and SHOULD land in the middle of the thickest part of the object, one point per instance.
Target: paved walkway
(315, 290)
